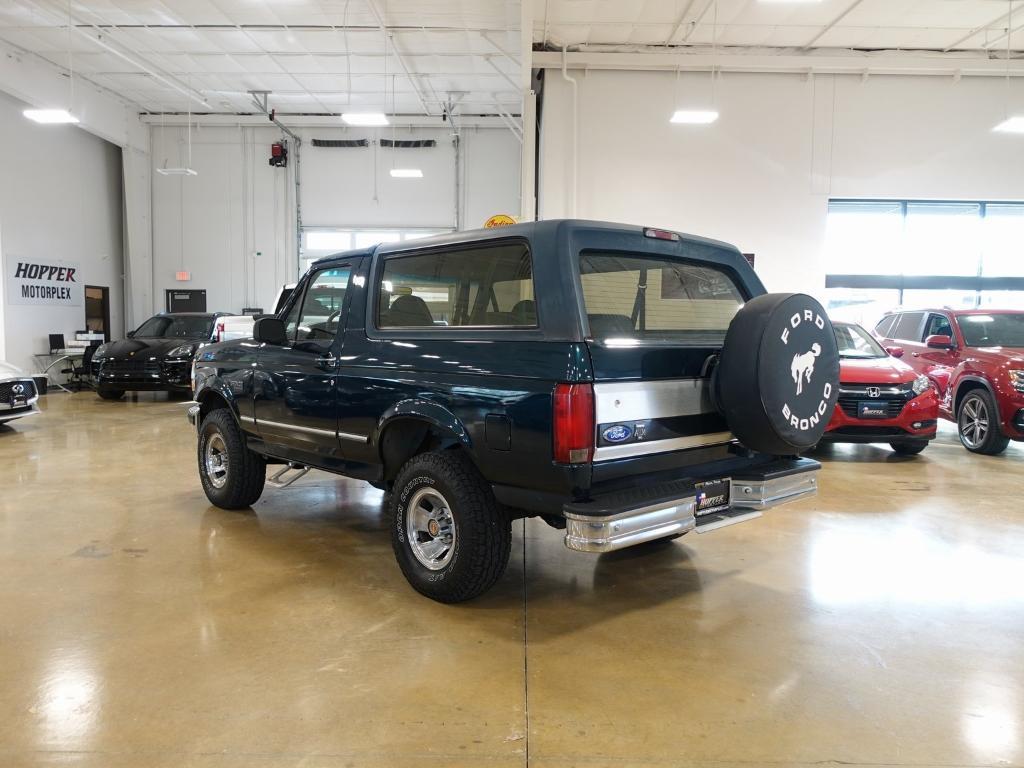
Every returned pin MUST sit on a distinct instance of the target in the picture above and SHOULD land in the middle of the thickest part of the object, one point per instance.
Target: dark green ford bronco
(623, 383)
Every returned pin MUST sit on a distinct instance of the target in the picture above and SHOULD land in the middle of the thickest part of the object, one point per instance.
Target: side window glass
(291, 320)
(885, 326)
(938, 325)
(908, 327)
(320, 317)
(490, 286)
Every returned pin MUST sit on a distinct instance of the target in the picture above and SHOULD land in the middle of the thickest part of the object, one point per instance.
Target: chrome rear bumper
(631, 526)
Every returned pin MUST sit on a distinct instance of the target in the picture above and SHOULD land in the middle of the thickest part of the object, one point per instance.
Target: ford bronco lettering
(624, 384)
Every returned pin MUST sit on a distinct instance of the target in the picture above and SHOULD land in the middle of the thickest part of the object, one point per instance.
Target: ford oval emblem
(617, 434)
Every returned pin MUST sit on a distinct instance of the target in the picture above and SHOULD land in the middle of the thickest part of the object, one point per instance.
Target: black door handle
(326, 361)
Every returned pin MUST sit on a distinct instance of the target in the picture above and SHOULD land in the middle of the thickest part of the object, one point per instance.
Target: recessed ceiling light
(1011, 125)
(50, 116)
(406, 173)
(365, 119)
(694, 116)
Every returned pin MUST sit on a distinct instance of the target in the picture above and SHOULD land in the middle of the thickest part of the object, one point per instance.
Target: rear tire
(909, 448)
(450, 536)
(977, 423)
(110, 394)
(232, 475)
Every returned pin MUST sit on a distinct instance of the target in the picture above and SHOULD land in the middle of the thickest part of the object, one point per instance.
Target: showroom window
(882, 254)
(489, 286)
(318, 242)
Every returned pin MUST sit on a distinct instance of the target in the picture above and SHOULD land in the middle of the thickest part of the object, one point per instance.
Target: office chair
(79, 373)
(57, 343)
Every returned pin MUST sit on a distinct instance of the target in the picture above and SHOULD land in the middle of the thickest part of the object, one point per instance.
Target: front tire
(977, 423)
(232, 475)
(909, 448)
(451, 538)
(110, 394)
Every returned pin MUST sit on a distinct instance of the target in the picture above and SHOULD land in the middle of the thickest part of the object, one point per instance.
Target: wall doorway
(97, 310)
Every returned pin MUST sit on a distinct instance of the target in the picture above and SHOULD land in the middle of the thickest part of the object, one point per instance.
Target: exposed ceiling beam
(696, 22)
(889, 63)
(832, 24)
(381, 23)
(319, 121)
(124, 52)
(1002, 18)
(679, 22)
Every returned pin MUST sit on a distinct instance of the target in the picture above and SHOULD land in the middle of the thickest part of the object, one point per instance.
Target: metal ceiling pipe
(575, 133)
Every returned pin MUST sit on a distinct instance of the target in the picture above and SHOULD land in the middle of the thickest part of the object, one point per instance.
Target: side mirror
(939, 341)
(895, 351)
(269, 330)
(130, 334)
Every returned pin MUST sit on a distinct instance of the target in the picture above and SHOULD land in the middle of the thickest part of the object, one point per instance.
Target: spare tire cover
(778, 378)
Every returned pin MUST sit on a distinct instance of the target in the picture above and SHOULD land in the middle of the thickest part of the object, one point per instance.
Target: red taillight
(574, 423)
(220, 331)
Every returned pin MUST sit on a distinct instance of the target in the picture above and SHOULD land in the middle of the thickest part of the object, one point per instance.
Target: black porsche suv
(156, 356)
(625, 384)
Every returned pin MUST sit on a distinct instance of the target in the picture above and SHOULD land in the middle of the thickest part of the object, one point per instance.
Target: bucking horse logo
(803, 367)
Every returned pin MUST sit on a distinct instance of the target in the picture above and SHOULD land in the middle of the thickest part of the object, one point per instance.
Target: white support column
(139, 301)
(528, 161)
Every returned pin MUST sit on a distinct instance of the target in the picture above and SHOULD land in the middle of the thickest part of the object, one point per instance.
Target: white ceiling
(315, 56)
(331, 56)
(937, 25)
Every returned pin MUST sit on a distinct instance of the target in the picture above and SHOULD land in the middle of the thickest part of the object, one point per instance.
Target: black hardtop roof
(529, 230)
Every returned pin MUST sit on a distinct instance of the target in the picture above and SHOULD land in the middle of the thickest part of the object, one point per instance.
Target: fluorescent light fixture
(50, 116)
(1011, 125)
(177, 172)
(406, 173)
(365, 119)
(694, 116)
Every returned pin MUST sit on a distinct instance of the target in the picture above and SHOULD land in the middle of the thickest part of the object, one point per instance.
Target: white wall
(762, 175)
(60, 200)
(211, 224)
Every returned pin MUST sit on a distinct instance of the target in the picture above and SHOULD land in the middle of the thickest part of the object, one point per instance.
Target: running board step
(714, 521)
(278, 479)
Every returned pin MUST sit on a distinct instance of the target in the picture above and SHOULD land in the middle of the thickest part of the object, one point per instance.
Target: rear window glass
(647, 297)
(481, 287)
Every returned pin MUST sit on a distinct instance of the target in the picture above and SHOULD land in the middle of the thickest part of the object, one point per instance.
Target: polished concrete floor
(881, 623)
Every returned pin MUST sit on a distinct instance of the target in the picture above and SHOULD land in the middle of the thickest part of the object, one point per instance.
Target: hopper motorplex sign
(42, 283)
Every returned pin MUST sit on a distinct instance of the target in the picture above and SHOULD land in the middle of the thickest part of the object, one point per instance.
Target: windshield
(176, 327)
(857, 344)
(993, 330)
(654, 298)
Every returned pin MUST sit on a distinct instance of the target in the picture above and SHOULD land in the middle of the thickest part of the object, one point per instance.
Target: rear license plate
(712, 496)
(873, 409)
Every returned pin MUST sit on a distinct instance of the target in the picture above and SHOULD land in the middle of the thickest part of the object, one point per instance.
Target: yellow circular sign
(501, 220)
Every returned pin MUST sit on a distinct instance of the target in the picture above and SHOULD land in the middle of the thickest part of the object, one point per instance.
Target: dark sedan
(157, 356)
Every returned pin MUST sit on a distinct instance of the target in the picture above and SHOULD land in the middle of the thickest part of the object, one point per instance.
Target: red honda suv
(976, 360)
(881, 400)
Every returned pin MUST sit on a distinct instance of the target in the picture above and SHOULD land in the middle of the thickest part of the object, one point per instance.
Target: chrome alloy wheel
(216, 460)
(973, 422)
(430, 529)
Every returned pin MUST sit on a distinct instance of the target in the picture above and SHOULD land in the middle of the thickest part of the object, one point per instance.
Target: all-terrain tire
(238, 481)
(479, 552)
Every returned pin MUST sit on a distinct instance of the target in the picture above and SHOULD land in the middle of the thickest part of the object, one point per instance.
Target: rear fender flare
(432, 413)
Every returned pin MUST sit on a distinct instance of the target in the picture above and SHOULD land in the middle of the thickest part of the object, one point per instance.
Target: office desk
(59, 356)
